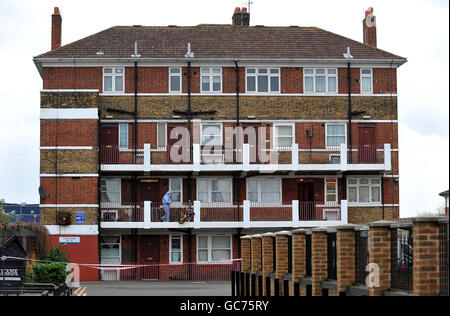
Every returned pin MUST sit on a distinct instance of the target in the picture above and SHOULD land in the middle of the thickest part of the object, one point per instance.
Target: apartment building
(253, 128)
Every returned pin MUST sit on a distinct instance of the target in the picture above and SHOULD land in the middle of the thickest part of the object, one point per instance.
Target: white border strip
(77, 230)
(69, 114)
(71, 90)
(249, 121)
(68, 205)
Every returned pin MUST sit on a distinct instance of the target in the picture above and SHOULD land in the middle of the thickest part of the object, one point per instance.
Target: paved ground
(154, 289)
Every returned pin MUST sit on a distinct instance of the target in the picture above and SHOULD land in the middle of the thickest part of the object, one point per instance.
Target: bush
(54, 272)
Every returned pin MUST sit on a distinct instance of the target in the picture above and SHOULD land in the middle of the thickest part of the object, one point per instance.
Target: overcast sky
(416, 29)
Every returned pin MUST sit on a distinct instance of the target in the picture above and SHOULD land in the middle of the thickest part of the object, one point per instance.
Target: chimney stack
(241, 17)
(370, 28)
(56, 29)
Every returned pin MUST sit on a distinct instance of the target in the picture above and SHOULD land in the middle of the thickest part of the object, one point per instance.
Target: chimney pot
(244, 9)
(56, 28)
(241, 18)
(237, 10)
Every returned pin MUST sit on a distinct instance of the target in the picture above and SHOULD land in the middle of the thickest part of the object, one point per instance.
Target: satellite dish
(42, 193)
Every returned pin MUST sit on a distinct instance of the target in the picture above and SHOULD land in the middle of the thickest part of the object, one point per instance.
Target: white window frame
(114, 75)
(157, 135)
(259, 189)
(209, 248)
(120, 247)
(326, 133)
(210, 187)
(181, 190)
(120, 188)
(176, 75)
(370, 185)
(275, 133)
(314, 75)
(269, 75)
(221, 133)
(366, 76)
(326, 190)
(171, 237)
(127, 129)
(211, 76)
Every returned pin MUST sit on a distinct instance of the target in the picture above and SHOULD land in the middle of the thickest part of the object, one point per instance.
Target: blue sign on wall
(80, 217)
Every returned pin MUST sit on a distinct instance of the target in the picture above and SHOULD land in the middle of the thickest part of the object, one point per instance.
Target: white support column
(246, 214)
(147, 214)
(197, 209)
(344, 164)
(295, 216)
(295, 156)
(387, 157)
(246, 157)
(344, 211)
(147, 157)
(196, 148)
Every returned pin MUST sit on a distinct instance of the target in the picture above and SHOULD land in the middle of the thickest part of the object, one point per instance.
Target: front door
(307, 206)
(109, 137)
(149, 257)
(254, 144)
(367, 151)
(149, 191)
(177, 152)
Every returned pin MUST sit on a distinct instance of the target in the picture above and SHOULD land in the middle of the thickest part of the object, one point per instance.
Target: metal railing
(221, 212)
(402, 258)
(361, 256)
(260, 211)
(113, 155)
(366, 154)
(319, 156)
(331, 256)
(118, 212)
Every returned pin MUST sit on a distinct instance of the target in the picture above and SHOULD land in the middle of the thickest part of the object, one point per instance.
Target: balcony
(147, 215)
(295, 158)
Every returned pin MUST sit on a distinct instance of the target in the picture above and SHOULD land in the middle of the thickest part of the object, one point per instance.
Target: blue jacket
(167, 200)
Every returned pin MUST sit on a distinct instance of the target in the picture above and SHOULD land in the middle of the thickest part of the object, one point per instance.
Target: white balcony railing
(332, 158)
(248, 215)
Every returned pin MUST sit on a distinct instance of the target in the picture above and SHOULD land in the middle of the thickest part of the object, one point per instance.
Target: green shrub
(52, 273)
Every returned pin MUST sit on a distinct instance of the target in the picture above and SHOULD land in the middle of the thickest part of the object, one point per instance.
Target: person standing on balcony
(166, 201)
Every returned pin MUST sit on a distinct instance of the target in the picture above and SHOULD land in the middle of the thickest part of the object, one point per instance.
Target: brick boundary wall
(319, 259)
(282, 254)
(267, 257)
(345, 243)
(426, 274)
(246, 257)
(256, 258)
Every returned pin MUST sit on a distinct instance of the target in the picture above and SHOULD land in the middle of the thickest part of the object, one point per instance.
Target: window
(175, 80)
(214, 248)
(331, 190)
(110, 190)
(336, 134)
(214, 190)
(320, 80)
(366, 81)
(363, 190)
(211, 79)
(211, 135)
(175, 186)
(264, 190)
(161, 135)
(113, 80)
(176, 249)
(284, 136)
(263, 80)
(110, 249)
(123, 136)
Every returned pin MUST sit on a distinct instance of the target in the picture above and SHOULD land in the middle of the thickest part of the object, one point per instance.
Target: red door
(109, 140)
(177, 152)
(149, 257)
(149, 191)
(367, 151)
(307, 206)
(254, 144)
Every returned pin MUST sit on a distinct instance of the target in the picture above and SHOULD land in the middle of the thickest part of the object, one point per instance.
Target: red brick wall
(73, 78)
(150, 80)
(343, 81)
(384, 80)
(292, 80)
(70, 191)
(229, 79)
(195, 79)
(69, 132)
(84, 252)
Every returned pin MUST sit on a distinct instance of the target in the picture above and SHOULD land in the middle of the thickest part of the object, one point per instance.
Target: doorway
(109, 136)
(305, 195)
(367, 153)
(149, 256)
(177, 152)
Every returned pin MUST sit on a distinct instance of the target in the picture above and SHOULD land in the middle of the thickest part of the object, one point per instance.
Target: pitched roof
(219, 41)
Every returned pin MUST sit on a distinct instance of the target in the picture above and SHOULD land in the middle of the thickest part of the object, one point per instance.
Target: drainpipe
(350, 136)
(99, 196)
(189, 115)
(135, 186)
(238, 124)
